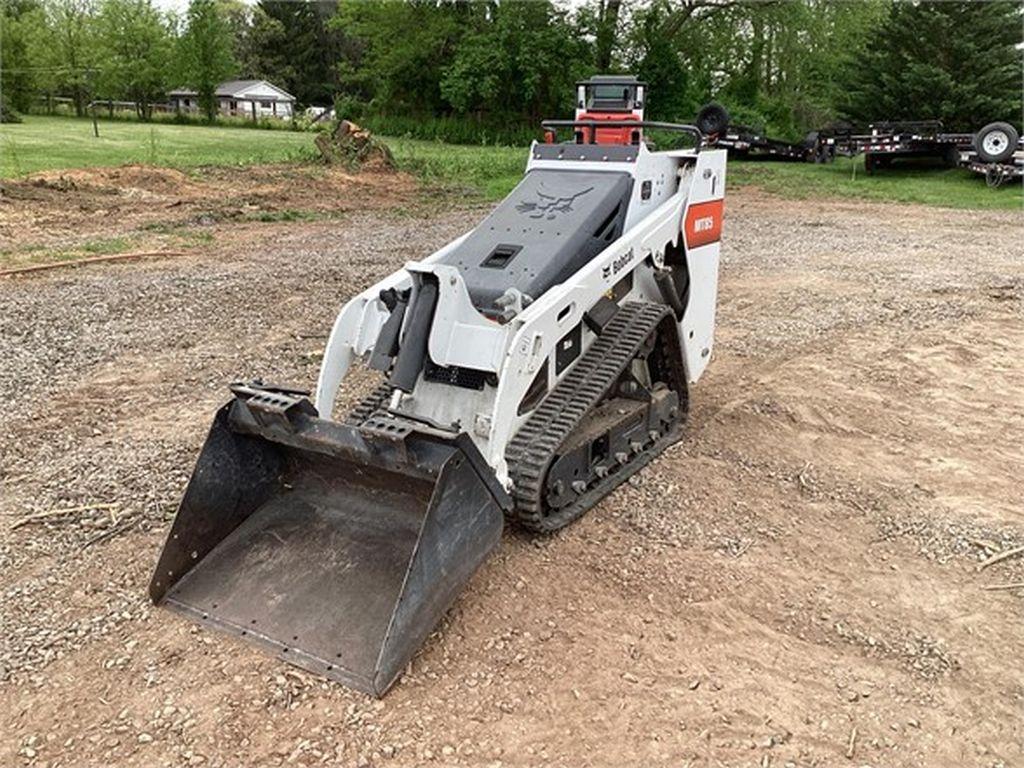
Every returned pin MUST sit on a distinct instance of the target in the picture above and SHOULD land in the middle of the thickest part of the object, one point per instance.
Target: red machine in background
(614, 99)
(610, 98)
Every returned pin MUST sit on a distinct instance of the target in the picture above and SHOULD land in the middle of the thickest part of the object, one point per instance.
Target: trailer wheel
(869, 163)
(996, 142)
(712, 119)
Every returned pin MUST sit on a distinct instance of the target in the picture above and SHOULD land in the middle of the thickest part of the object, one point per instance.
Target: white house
(244, 98)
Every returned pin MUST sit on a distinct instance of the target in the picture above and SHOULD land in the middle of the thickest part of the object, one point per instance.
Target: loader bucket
(336, 549)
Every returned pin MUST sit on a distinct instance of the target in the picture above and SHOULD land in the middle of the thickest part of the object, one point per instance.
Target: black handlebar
(595, 125)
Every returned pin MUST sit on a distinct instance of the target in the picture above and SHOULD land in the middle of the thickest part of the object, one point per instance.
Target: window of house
(188, 103)
(265, 104)
(234, 105)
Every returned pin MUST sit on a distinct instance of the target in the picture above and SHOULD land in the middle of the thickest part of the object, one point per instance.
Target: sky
(180, 6)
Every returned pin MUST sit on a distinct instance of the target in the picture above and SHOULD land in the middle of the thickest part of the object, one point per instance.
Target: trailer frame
(743, 141)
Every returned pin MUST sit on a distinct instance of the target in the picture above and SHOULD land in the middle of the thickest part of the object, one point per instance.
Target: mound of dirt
(147, 178)
(92, 208)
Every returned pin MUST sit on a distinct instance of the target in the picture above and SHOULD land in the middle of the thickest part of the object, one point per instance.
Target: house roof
(241, 87)
(237, 89)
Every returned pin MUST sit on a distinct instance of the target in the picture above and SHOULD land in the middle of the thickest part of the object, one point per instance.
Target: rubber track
(369, 405)
(534, 447)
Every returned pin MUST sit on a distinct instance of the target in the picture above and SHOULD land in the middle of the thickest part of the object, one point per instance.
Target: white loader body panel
(675, 203)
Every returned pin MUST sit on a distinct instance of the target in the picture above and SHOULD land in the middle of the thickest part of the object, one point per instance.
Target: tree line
(784, 66)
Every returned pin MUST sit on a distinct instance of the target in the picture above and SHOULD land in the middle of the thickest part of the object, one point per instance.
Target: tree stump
(353, 146)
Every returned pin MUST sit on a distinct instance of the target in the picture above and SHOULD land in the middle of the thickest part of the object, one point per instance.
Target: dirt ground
(135, 208)
(799, 582)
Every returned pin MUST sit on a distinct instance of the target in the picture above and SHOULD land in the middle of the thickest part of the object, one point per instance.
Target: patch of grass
(156, 236)
(11, 155)
(105, 245)
(26, 250)
(25, 255)
(189, 237)
(487, 172)
(493, 171)
(846, 177)
(479, 171)
(46, 143)
(287, 214)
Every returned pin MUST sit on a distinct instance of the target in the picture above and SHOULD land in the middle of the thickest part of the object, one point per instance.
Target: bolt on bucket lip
(290, 653)
(322, 550)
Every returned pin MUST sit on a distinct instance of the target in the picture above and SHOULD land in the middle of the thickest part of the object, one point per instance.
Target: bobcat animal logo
(549, 206)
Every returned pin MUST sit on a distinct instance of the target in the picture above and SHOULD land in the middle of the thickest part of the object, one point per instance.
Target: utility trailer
(744, 142)
(992, 151)
(889, 141)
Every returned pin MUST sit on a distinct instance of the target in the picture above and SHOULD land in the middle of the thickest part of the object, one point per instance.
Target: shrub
(8, 115)
(450, 129)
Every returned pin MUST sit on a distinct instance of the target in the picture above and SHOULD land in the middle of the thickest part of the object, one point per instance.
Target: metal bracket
(387, 428)
(512, 302)
(270, 405)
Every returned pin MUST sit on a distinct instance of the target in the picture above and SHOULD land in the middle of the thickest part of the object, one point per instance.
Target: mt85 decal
(703, 223)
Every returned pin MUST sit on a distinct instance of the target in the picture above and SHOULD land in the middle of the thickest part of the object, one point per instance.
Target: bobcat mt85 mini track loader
(528, 368)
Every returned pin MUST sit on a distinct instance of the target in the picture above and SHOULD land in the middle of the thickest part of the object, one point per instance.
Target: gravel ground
(797, 583)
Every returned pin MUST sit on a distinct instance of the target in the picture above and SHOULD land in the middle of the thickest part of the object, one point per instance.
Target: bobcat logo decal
(615, 266)
(548, 206)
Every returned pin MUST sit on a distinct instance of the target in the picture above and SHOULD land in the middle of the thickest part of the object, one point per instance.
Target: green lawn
(492, 171)
(495, 170)
(950, 187)
(42, 143)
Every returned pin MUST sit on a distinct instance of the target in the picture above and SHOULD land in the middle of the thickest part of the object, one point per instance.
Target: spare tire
(996, 142)
(712, 119)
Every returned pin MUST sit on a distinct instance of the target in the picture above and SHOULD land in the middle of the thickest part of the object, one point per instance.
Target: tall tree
(238, 17)
(74, 38)
(956, 61)
(657, 61)
(24, 52)
(205, 53)
(520, 60)
(400, 51)
(137, 48)
(607, 29)
(263, 51)
(778, 65)
(294, 44)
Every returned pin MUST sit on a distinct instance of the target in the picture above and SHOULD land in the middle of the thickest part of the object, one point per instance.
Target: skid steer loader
(528, 368)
